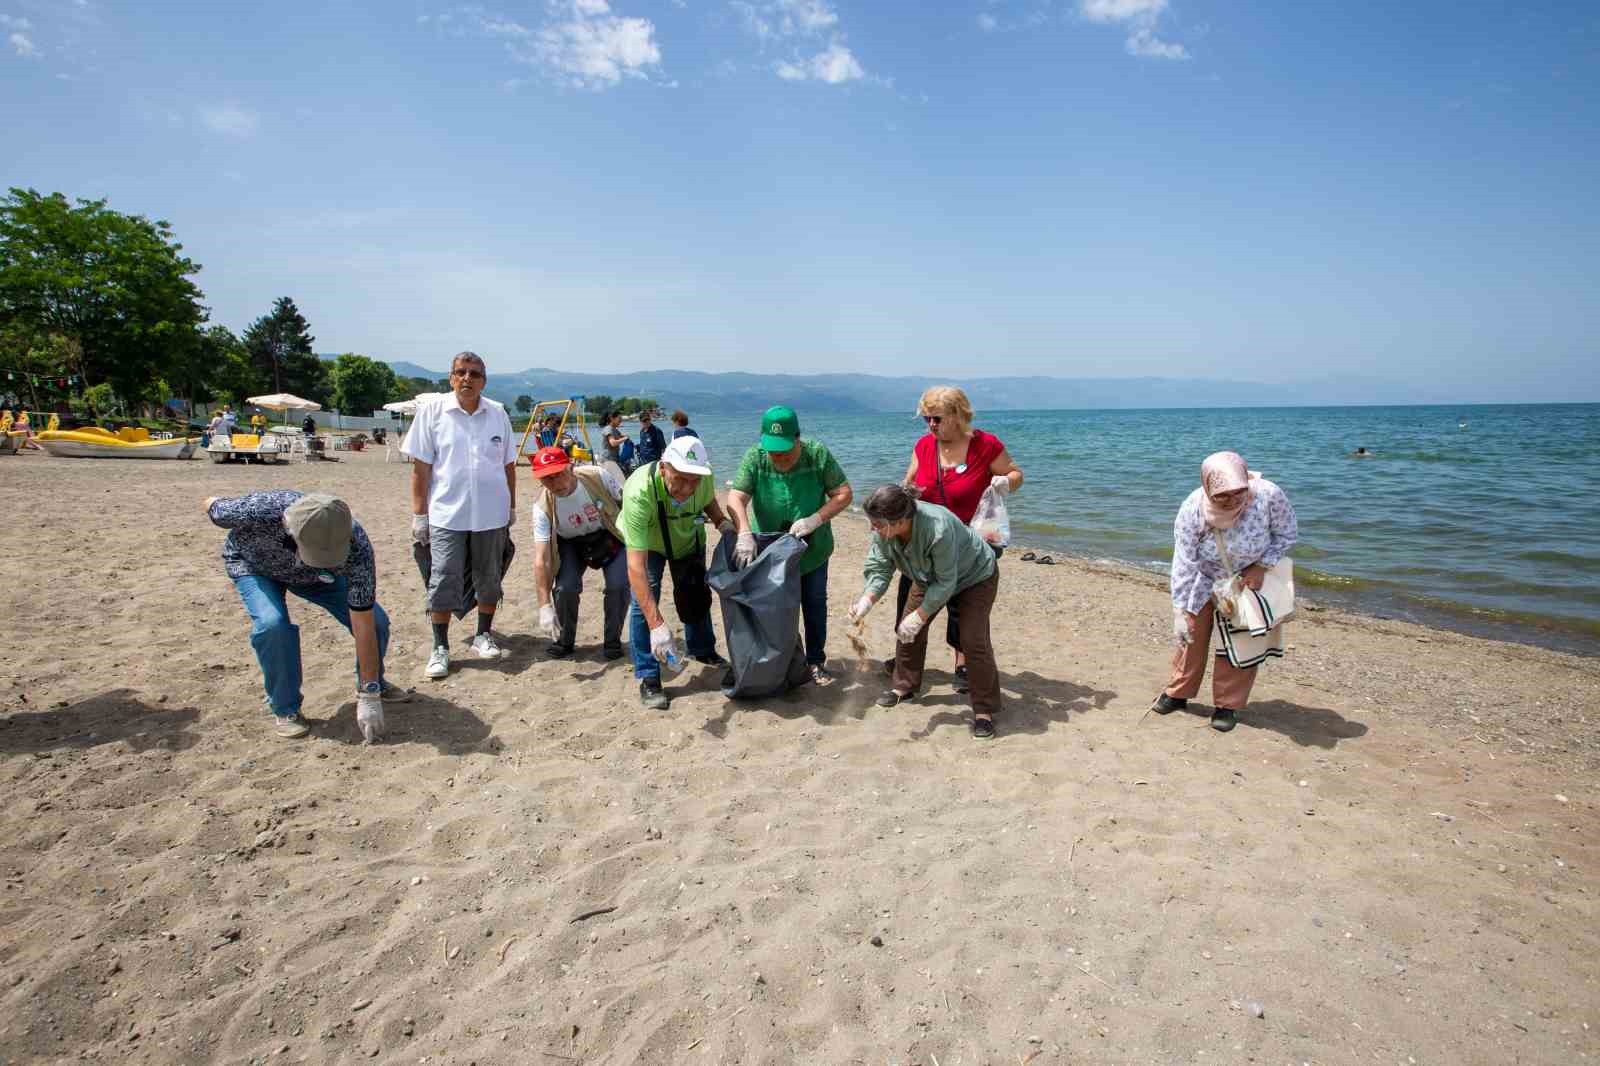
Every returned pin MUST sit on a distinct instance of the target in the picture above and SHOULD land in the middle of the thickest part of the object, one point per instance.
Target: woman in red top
(951, 466)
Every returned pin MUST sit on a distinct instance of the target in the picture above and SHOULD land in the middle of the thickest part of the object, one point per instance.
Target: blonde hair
(949, 401)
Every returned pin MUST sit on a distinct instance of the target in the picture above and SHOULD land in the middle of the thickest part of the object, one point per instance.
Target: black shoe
(558, 651)
(961, 680)
(1166, 704)
(890, 698)
(711, 660)
(983, 728)
(651, 696)
(728, 680)
(1222, 720)
(612, 651)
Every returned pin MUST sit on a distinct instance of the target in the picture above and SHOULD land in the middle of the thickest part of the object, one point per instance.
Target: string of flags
(46, 380)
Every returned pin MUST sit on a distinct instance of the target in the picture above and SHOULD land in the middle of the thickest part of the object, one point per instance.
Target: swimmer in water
(1361, 453)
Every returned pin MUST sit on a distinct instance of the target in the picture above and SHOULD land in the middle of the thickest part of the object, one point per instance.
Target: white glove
(419, 529)
(744, 553)
(909, 627)
(859, 609)
(662, 644)
(804, 527)
(1180, 625)
(547, 621)
(369, 716)
(1001, 484)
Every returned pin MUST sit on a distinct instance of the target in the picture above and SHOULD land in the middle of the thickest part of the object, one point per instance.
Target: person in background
(230, 418)
(282, 542)
(1256, 521)
(611, 439)
(786, 485)
(308, 426)
(951, 465)
(547, 431)
(575, 516)
(651, 442)
(949, 565)
(463, 502)
(680, 422)
(665, 507)
(258, 422)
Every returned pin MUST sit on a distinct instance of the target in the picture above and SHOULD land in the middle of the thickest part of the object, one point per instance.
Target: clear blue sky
(1206, 188)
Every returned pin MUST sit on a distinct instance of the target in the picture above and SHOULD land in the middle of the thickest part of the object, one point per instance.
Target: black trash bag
(761, 615)
(469, 599)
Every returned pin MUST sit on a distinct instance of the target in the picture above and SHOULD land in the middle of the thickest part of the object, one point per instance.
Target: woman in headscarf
(1258, 525)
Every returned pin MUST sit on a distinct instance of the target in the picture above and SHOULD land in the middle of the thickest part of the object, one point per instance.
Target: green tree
(596, 405)
(279, 345)
(231, 374)
(115, 285)
(524, 403)
(361, 385)
(405, 388)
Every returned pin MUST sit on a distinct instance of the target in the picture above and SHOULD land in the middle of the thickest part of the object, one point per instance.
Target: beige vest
(589, 478)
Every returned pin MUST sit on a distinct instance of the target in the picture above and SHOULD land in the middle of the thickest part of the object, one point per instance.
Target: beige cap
(320, 525)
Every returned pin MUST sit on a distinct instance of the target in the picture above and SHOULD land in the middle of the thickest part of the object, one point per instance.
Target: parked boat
(94, 443)
(264, 447)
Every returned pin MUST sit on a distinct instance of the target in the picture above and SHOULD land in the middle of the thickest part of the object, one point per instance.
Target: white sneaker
(439, 662)
(485, 647)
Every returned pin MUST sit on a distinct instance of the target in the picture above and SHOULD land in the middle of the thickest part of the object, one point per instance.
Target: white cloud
(1140, 17)
(1120, 10)
(22, 44)
(595, 49)
(987, 22)
(15, 22)
(230, 120)
(1147, 45)
(833, 66)
(581, 42)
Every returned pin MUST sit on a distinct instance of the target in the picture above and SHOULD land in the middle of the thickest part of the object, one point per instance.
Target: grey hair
(469, 357)
(891, 503)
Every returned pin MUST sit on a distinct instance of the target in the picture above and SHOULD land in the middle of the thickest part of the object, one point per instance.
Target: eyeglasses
(933, 420)
(470, 374)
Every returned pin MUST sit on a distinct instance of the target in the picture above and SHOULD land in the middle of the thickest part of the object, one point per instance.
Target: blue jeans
(276, 640)
(700, 636)
(814, 610)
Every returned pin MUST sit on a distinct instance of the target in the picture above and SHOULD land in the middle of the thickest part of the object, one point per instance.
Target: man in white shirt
(463, 501)
(575, 511)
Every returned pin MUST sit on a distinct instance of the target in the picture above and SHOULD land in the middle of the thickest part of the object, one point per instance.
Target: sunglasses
(933, 420)
(469, 374)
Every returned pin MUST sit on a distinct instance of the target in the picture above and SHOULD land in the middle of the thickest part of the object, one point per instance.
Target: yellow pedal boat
(95, 443)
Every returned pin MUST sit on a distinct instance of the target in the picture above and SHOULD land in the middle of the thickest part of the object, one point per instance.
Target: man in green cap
(795, 486)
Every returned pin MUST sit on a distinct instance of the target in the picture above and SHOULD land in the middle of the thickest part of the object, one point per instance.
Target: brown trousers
(1230, 686)
(974, 602)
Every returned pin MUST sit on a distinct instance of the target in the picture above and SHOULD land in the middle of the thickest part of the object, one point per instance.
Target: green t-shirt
(779, 499)
(641, 525)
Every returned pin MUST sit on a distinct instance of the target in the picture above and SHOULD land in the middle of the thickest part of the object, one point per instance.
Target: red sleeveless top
(956, 488)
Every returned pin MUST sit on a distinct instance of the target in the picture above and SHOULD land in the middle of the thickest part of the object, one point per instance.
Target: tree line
(91, 295)
(601, 405)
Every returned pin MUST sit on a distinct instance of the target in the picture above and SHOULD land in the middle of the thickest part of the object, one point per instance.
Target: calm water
(1492, 529)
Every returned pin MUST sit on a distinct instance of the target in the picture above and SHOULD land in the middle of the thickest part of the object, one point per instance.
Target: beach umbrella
(285, 402)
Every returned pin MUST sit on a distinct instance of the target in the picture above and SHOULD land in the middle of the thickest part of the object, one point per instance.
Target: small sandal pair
(1043, 560)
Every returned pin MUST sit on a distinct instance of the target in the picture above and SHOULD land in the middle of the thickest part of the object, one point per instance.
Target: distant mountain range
(845, 393)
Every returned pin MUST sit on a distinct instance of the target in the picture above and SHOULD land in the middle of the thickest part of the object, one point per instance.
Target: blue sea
(1484, 519)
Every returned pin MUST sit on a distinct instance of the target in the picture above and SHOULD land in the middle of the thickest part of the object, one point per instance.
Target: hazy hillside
(838, 393)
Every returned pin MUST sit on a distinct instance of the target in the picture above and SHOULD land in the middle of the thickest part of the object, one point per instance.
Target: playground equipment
(571, 411)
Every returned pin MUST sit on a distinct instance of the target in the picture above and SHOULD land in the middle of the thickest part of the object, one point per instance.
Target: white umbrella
(409, 407)
(283, 401)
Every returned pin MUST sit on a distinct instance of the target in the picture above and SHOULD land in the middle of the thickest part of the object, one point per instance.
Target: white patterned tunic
(1263, 534)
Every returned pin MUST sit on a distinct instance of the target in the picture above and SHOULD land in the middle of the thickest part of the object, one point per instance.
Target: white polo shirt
(469, 454)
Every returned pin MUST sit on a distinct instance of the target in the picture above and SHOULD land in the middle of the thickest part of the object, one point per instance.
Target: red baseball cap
(548, 461)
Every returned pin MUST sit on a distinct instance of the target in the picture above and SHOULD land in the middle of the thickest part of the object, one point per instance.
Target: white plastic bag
(990, 521)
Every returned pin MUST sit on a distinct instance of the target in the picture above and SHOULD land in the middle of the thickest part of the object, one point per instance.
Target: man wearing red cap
(575, 513)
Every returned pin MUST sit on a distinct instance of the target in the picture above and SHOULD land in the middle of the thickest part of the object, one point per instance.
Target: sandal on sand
(821, 676)
(983, 728)
(1028, 557)
(891, 697)
(1045, 560)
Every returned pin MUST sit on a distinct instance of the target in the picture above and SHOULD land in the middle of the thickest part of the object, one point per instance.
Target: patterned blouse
(1263, 534)
(259, 546)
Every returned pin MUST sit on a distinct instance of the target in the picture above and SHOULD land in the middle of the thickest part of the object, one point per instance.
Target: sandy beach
(1394, 859)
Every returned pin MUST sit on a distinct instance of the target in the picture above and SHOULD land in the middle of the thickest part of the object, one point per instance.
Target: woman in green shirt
(949, 565)
(788, 485)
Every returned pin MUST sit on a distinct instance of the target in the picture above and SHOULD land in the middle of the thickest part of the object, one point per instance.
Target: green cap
(780, 428)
